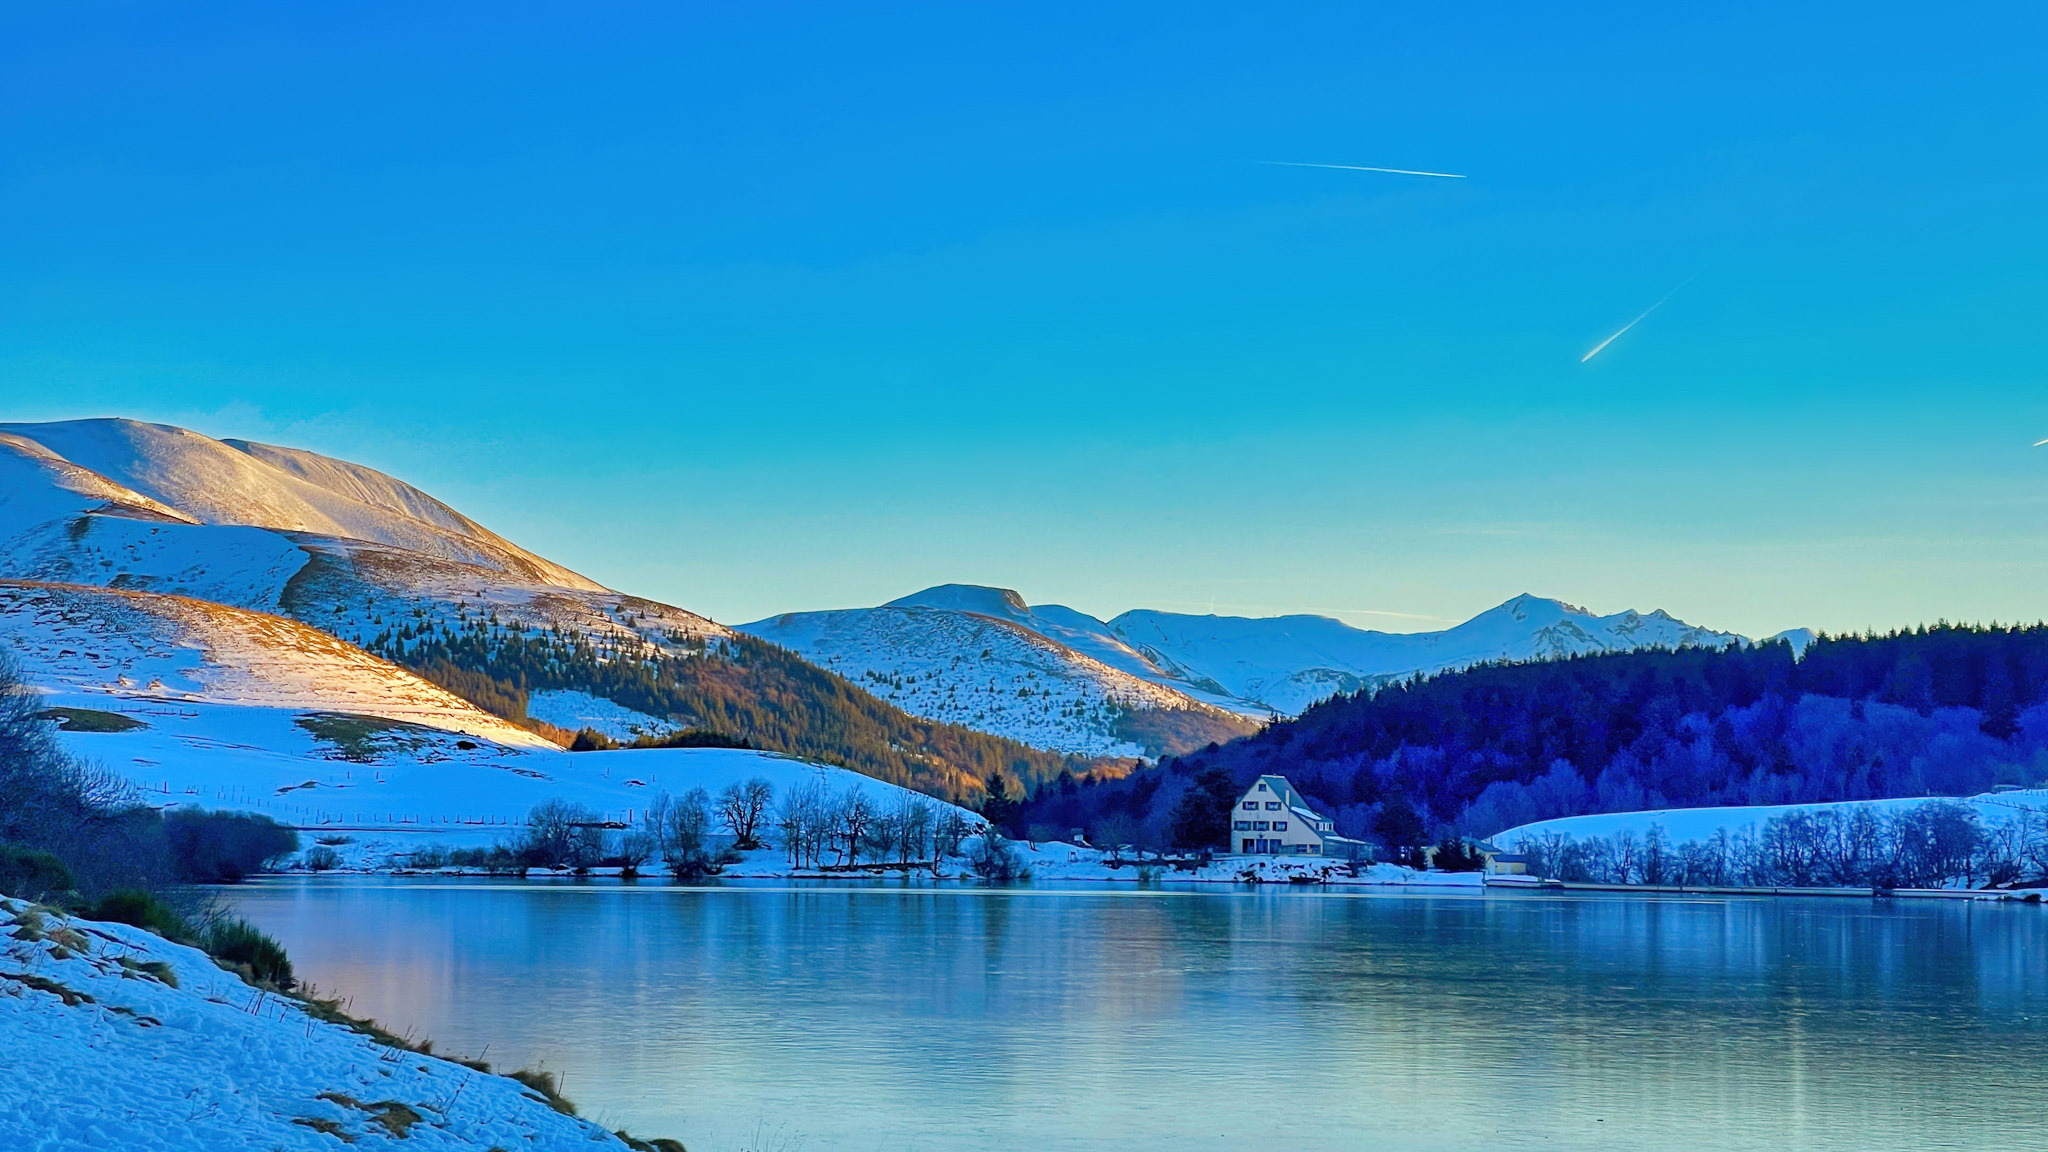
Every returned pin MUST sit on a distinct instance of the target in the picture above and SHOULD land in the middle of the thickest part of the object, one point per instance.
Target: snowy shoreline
(117, 1038)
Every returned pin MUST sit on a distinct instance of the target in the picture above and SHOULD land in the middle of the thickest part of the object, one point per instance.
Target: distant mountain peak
(981, 598)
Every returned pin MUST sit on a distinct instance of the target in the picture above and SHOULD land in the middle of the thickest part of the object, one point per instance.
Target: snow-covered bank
(117, 1039)
(1680, 825)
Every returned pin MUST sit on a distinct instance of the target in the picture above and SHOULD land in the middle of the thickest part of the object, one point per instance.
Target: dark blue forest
(1938, 711)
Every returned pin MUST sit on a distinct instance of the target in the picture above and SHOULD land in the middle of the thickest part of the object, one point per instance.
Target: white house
(1271, 819)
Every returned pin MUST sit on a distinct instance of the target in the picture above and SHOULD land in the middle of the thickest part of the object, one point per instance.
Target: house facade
(1271, 819)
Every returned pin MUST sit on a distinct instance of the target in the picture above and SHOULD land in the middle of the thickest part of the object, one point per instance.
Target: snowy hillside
(119, 1039)
(980, 658)
(207, 706)
(1287, 663)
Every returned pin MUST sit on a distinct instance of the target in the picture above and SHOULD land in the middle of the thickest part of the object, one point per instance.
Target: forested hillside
(1947, 710)
(738, 687)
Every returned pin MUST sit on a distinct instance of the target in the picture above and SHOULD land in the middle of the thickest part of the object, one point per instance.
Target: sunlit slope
(236, 482)
(102, 648)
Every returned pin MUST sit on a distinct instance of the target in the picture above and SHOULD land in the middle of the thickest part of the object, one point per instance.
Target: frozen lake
(787, 1017)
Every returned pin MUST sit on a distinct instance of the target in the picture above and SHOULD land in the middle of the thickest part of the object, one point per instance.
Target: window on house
(1272, 805)
(1262, 787)
(1251, 805)
(1258, 826)
(1279, 825)
(1244, 825)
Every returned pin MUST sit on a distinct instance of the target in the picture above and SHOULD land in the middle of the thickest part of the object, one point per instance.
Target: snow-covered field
(117, 1039)
(1681, 825)
(578, 710)
(396, 788)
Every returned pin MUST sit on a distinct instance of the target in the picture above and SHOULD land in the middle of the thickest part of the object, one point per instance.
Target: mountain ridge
(1252, 667)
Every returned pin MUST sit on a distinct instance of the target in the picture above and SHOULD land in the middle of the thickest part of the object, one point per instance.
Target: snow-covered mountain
(1047, 673)
(259, 592)
(1047, 676)
(1287, 663)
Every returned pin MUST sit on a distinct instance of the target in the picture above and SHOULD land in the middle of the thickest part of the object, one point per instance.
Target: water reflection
(825, 1017)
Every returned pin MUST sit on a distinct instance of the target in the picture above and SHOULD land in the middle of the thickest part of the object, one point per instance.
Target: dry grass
(329, 1127)
(71, 996)
(547, 1086)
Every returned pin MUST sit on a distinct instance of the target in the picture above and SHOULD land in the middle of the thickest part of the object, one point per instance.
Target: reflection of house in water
(1271, 819)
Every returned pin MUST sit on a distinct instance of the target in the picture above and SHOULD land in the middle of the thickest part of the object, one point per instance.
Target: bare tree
(857, 815)
(741, 808)
(562, 834)
(1113, 834)
(679, 829)
(914, 828)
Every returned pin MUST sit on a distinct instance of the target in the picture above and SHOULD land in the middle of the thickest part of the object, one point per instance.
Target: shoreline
(1448, 883)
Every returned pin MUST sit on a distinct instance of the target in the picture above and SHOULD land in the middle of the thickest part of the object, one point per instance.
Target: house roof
(1279, 789)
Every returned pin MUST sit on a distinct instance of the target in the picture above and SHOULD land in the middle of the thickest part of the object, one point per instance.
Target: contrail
(1639, 320)
(1363, 168)
(2038, 443)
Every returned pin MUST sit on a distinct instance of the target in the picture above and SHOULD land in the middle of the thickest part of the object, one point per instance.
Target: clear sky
(768, 306)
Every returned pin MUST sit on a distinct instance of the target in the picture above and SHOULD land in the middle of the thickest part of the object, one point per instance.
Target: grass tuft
(548, 1086)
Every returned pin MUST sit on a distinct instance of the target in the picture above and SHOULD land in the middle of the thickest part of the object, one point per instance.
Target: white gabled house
(1271, 819)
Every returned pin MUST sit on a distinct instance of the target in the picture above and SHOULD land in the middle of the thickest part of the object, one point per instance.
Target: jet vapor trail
(1363, 168)
(1634, 322)
(2038, 443)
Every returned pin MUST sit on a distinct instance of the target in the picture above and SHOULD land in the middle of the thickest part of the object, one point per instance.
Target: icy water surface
(787, 1017)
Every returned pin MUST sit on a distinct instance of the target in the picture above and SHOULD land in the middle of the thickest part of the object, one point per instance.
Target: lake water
(788, 1017)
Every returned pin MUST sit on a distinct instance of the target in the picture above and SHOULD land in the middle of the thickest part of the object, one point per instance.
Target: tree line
(1938, 844)
(1947, 710)
(698, 834)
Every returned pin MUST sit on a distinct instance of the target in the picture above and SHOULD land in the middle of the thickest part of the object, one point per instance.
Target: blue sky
(766, 307)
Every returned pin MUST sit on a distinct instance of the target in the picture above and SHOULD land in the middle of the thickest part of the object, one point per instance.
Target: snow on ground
(118, 1039)
(1681, 825)
(110, 650)
(578, 710)
(397, 788)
